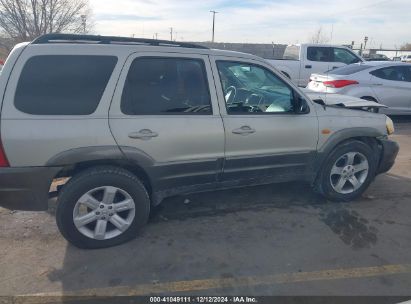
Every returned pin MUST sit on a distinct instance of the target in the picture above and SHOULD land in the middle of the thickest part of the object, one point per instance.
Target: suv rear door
(165, 109)
(265, 139)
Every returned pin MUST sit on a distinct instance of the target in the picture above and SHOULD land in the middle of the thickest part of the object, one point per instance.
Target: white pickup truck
(301, 60)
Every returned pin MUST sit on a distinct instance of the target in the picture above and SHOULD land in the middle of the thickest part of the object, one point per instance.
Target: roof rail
(97, 39)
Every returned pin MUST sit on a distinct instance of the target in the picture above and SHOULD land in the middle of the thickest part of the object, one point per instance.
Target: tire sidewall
(80, 185)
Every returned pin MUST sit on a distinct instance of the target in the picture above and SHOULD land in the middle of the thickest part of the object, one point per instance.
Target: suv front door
(265, 137)
(164, 115)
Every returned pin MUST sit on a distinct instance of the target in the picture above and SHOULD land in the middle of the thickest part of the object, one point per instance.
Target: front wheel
(347, 172)
(102, 207)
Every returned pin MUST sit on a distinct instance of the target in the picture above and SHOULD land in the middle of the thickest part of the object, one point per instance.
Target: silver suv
(132, 121)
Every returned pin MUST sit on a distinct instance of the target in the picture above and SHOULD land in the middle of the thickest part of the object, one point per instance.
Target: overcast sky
(280, 21)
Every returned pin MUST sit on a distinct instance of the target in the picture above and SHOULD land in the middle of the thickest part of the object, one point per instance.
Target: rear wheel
(102, 207)
(347, 172)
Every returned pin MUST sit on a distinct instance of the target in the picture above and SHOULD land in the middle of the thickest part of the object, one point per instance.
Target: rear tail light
(339, 83)
(3, 159)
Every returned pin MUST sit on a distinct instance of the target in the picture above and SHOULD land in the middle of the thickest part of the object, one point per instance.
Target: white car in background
(388, 83)
(406, 58)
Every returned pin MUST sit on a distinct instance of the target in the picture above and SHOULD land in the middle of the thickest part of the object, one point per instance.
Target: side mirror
(300, 105)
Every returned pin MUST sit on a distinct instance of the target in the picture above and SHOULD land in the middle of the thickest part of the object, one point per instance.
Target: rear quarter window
(63, 84)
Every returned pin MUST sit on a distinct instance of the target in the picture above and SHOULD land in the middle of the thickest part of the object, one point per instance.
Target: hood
(342, 100)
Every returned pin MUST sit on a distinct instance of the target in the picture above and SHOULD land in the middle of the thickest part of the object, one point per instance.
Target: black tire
(94, 178)
(323, 183)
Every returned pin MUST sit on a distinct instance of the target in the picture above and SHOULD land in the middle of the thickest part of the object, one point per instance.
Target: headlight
(390, 125)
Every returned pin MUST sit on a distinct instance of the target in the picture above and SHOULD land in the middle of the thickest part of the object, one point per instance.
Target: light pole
(84, 22)
(214, 12)
(365, 42)
(171, 34)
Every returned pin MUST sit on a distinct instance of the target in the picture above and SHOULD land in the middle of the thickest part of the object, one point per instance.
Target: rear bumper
(389, 153)
(26, 188)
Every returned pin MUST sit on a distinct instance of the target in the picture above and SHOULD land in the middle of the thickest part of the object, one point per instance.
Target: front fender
(336, 139)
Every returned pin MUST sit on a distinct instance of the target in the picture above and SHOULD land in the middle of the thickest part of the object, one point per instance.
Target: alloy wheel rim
(104, 213)
(349, 172)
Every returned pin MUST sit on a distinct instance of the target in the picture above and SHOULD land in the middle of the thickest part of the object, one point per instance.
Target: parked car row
(376, 57)
(388, 83)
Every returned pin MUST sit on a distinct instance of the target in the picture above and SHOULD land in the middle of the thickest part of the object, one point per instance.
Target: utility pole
(332, 32)
(171, 34)
(84, 22)
(156, 36)
(214, 12)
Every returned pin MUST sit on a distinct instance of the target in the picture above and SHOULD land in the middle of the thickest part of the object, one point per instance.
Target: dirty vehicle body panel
(177, 119)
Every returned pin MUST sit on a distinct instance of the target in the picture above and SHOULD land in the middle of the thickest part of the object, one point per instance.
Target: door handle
(244, 130)
(143, 134)
(377, 84)
(335, 67)
(308, 66)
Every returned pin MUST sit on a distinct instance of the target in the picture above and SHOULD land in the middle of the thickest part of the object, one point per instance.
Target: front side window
(63, 84)
(252, 89)
(398, 73)
(317, 53)
(157, 85)
(344, 56)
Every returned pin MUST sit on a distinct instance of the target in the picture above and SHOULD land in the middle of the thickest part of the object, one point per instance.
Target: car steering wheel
(230, 94)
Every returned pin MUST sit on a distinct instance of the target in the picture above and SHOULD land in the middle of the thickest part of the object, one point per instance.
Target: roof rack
(97, 39)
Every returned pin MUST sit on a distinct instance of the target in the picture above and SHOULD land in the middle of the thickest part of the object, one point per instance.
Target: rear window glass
(349, 69)
(63, 84)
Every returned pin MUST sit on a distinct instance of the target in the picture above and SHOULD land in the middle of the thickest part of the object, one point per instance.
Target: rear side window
(63, 84)
(397, 73)
(322, 54)
(166, 86)
(349, 69)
